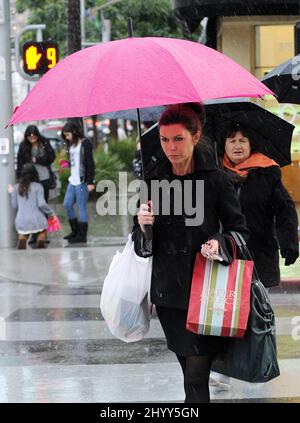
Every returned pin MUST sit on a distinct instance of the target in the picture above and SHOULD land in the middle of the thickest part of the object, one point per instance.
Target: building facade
(259, 35)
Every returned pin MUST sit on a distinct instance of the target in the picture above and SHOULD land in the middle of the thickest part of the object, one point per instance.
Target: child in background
(28, 198)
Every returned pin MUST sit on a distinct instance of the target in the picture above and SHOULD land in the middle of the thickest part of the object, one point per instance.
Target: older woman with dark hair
(176, 240)
(269, 210)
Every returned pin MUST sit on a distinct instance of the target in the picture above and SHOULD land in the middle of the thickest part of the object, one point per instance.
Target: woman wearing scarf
(269, 210)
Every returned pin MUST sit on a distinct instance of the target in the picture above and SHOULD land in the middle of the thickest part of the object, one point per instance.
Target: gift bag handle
(241, 243)
(233, 245)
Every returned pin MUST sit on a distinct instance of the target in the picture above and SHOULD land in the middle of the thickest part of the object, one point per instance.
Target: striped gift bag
(220, 297)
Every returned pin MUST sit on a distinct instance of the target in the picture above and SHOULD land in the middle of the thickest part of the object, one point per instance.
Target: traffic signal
(39, 57)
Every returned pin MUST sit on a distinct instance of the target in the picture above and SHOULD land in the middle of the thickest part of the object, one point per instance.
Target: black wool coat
(271, 218)
(24, 155)
(175, 245)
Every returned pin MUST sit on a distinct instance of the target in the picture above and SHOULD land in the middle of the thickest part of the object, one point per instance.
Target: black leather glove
(290, 256)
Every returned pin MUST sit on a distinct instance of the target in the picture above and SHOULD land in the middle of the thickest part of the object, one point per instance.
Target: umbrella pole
(215, 140)
(143, 195)
(139, 131)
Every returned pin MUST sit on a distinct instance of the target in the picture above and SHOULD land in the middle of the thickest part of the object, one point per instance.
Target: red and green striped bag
(220, 297)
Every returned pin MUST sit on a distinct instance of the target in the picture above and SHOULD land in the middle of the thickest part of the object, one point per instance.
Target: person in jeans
(81, 181)
(27, 197)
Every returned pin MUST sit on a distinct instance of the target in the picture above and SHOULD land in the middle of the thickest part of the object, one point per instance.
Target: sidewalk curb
(285, 285)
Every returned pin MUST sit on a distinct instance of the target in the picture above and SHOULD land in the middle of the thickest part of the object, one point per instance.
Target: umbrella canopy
(285, 81)
(134, 73)
(273, 134)
(148, 114)
(217, 8)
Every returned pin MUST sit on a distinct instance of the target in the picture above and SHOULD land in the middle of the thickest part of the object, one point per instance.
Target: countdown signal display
(39, 57)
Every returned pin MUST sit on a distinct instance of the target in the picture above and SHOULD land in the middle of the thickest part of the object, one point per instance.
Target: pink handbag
(53, 224)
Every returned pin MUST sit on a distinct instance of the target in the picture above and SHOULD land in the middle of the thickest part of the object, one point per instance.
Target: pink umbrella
(134, 73)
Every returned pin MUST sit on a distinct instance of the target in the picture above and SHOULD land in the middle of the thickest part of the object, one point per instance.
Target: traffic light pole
(39, 37)
(7, 231)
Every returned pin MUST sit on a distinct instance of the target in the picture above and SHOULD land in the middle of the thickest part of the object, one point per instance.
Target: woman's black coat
(24, 155)
(175, 245)
(271, 218)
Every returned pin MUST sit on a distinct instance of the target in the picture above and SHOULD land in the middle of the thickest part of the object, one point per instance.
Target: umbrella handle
(148, 232)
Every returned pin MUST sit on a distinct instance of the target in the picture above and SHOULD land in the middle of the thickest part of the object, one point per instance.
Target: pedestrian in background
(174, 245)
(37, 150)
(27, 196)
(269, 210)
(81, 181)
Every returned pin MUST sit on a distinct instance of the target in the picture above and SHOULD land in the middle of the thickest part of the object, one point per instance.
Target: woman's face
(178, 143)
(238, 148)
(68, 136)
(32, 138)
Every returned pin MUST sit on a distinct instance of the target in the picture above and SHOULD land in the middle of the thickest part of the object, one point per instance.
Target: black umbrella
(284, 81)
(148, 114)
(191, 10)
(273, 134)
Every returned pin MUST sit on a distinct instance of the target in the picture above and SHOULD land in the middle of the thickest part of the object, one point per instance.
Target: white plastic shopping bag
(125, 303)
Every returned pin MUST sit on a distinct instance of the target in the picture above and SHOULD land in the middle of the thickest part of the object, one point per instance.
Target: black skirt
(183, 342)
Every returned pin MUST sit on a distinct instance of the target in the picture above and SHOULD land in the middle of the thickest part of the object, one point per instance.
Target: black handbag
(52, 179)
(254, 357)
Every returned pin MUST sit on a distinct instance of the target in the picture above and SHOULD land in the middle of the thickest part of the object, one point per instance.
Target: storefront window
(274, 44)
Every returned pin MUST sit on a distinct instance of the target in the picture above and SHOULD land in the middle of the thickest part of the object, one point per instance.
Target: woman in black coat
(269, 210)
(36, 149)
(182, 231)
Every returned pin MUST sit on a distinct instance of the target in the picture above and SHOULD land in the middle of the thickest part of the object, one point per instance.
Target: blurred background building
(259, 35)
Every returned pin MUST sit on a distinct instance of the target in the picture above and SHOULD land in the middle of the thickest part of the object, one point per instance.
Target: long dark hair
(75, 131)
(32, 130)
(29, 174)
(192, 116)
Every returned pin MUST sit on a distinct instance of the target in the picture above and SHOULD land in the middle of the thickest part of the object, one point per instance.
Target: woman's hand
(145, 215)
(90, 187)
(64, 164)
(210, 250)
(33, 159)
(10, 188)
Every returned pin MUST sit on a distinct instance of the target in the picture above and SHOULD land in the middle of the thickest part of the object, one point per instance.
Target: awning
(218, 8)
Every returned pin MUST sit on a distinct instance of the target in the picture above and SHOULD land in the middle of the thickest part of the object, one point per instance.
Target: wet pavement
(55, 346)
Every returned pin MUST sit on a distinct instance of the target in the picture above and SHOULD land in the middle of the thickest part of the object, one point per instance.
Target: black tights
(196, 371)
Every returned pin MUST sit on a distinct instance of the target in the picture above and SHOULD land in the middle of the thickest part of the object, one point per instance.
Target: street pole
(74, 39)
(74, 26)
(7, 174)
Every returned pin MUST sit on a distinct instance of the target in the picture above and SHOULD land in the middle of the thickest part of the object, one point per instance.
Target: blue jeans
(77, 194)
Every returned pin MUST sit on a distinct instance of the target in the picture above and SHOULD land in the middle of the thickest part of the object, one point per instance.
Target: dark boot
(81, 234)
(74, 228)
(22, 242)
(40, 240)
(32, 239)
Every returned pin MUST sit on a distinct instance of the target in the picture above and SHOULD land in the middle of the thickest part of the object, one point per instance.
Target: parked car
(53, 133)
